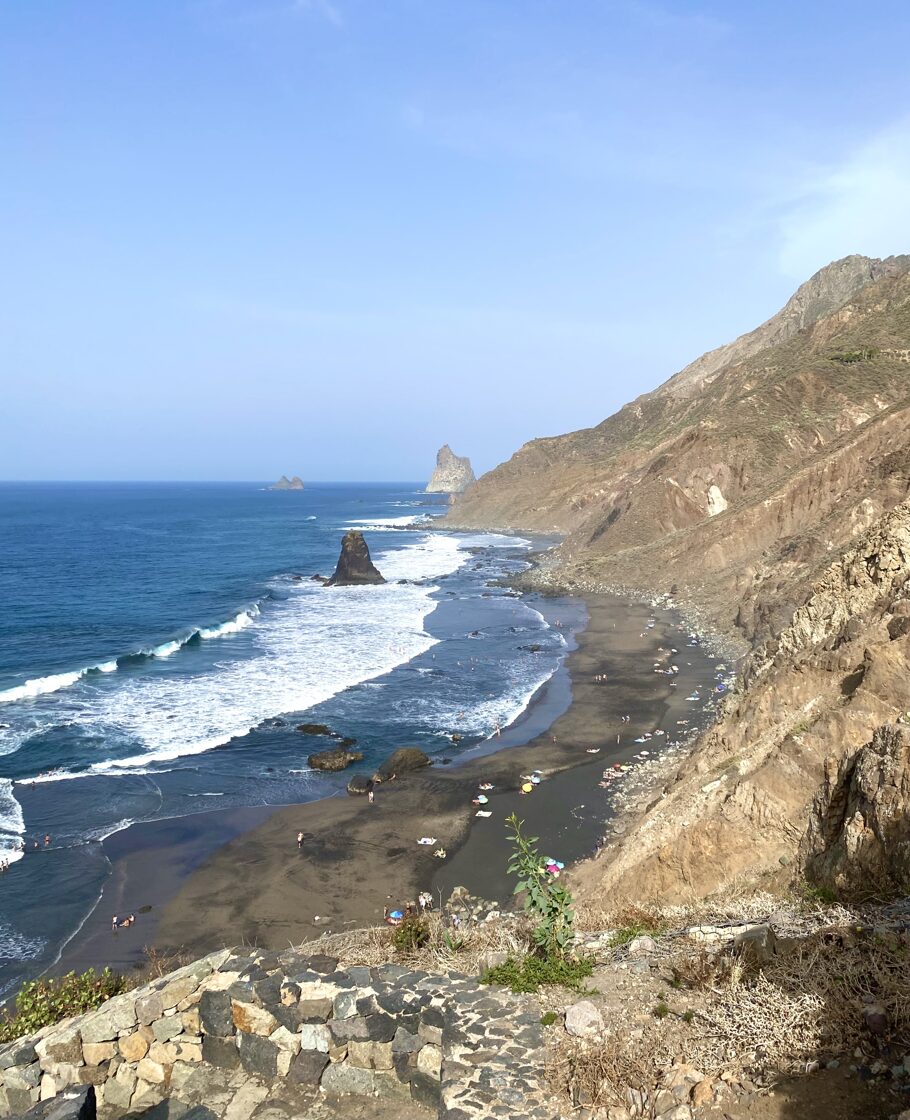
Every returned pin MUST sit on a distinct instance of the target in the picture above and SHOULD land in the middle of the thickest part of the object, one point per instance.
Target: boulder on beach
(339, 758)
(403, 760)
(354, 564)
(360, 784)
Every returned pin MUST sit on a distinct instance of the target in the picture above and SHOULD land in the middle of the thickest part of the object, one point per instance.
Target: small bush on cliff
(42, 1002)
(411, 935)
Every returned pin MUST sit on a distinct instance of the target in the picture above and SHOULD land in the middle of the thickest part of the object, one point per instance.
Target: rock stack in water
(285, 483)
(453, 473)
(354, 564)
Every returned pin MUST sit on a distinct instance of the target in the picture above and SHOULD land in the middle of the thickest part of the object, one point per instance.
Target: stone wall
(240, 1021)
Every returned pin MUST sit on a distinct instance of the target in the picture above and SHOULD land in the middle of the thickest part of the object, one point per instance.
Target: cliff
(736, 484)
(453, 473)
(738, 807)
(767, 486)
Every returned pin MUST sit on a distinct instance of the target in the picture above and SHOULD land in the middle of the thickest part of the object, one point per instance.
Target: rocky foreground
(683, 1019)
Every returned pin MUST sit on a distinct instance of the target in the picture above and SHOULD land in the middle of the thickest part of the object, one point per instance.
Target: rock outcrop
(453, 474)
(858, 839)
(402, 761)
(354, 564)
(338, 758)
(285, 483)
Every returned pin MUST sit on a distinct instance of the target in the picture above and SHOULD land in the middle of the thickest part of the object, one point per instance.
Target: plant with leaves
(41, 1002)
(548, 902)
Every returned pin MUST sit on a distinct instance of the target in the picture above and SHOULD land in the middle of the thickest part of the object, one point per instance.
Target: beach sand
(236, 877)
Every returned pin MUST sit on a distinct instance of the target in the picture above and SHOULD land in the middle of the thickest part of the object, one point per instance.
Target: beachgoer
(370, 796)
(47, 838)
(299, 839)
(114, 922)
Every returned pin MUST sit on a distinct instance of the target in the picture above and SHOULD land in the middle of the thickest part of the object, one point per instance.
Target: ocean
(159, 643)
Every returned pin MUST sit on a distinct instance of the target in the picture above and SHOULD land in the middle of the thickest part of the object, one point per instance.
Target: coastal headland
(227, 877)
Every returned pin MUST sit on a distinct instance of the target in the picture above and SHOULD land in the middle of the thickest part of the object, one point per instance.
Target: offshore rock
(337, 759)
(858, 839)
(453, 473)
(285, 483)
(354, 564)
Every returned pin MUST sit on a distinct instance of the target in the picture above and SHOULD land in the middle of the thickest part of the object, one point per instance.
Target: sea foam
(305, 649)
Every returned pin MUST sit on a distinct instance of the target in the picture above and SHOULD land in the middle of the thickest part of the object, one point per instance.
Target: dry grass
(465, 949)
(600, 1073)
(804, 1005)
(810, 1003)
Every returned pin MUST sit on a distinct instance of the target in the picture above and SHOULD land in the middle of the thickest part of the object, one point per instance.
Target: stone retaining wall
(445, 1041)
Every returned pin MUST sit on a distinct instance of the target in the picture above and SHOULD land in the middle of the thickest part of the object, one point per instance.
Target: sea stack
(285, 483)
(354, 564)
(453, 473)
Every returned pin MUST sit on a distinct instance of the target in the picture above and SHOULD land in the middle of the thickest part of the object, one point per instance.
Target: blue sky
(248, 237)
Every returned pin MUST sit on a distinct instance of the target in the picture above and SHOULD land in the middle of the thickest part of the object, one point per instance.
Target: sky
(241, 238)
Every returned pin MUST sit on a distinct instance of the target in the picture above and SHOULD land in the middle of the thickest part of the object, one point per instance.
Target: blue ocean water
(159, 643)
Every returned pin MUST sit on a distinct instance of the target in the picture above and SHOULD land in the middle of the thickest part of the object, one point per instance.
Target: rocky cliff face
(858, 839)
(739, 805)
(453, 473)
(768, 484)
(354, 564)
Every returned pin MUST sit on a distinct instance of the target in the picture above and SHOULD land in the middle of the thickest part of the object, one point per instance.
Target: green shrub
(528, 974)
(545, 899)
(412, 934)
(848, 357)
(45, 1001)
(661, 1011)
(548, 1018)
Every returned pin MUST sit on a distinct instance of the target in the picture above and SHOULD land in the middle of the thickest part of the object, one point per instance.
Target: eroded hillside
(731, 483)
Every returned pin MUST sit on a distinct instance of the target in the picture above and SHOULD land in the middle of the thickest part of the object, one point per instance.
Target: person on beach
(370, 796)
(299, 840)
(114, 923)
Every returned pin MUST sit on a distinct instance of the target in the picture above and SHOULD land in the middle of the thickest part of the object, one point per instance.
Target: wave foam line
(12, 822)
(42, 686)
(322, 641)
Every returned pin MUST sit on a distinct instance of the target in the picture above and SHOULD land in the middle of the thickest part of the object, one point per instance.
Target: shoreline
(253, 885)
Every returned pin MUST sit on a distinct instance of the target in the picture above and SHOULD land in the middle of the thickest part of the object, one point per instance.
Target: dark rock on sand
(337, 759)
(354, 564)
(360, 783)
(403, 760)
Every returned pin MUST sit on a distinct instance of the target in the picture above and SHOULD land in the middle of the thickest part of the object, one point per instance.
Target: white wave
(376, 523)
(40, 686)
(12, 823)
(16, 946)
(310, 646)
(234, 625)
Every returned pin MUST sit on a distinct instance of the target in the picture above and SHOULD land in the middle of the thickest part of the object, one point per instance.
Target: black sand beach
(238, 876)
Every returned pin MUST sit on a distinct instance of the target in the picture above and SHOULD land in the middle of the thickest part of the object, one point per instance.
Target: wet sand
(237, 876)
